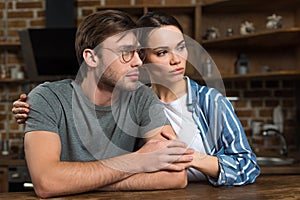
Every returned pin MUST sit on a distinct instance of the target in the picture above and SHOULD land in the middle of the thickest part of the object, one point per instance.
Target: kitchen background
(257, 96)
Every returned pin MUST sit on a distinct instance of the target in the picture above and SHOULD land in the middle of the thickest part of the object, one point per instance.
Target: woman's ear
(90, 58)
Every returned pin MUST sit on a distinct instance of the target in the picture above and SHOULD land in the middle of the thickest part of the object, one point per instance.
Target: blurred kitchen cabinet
(6, 47)
(3, 179)
(9, 45)
(187, 15)
(271, 52)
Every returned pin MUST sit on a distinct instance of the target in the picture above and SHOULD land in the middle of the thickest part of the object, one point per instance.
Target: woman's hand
(21, 109)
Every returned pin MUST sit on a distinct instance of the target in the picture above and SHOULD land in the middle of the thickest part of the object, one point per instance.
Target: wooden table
(266, 187)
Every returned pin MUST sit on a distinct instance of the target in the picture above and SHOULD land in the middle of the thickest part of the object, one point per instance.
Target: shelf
(266, 39)
(125, 7)
(240, 6)
(9, 80)
(187, 15)
(139, 10)
(265, 75)
(9, 45)
(134, 11)
(290, 74)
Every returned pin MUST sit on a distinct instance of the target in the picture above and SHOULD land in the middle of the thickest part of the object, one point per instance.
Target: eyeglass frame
(126, 53)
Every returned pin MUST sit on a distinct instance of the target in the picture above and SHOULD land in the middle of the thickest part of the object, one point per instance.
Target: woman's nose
(175, 58)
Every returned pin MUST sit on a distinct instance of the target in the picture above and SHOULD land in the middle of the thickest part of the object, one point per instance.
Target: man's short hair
(97, 27)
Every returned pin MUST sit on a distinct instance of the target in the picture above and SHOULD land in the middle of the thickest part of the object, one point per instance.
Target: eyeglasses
(126, 55)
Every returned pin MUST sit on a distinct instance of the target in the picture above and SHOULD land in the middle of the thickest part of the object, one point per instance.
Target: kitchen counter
(286, 169)
(283, 169)
(277, 187)
(8, 161)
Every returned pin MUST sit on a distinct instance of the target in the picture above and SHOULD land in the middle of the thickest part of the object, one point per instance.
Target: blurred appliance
(49, 53)
(18, 178)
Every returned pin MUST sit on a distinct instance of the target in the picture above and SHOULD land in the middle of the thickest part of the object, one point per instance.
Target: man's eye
(126, 52)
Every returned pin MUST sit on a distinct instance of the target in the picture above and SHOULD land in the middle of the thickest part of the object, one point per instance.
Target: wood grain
(266, 187)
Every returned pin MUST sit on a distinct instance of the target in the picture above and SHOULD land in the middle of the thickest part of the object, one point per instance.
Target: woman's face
(166, 55)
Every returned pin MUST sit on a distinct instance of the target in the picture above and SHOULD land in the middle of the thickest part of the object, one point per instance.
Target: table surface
(277, 187)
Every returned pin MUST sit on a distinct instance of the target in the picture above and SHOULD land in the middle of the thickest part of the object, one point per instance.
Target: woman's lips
(178, 70)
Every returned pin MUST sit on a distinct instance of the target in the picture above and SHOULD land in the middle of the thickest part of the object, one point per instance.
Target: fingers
(189, 151)
(175, 143)
(168, 136)
(18, 110)
(20, 118)
(174, 167)
(21, 121)
(180, 155)
(23, 97)
(20, 106)
(19, 103)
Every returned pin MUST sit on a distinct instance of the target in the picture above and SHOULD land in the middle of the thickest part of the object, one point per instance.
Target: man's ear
(90, 58)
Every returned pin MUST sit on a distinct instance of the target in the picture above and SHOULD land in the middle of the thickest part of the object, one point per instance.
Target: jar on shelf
(3, 72)
(241, 64)
(207, 68)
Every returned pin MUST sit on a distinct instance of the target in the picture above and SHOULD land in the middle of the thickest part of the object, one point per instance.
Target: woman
(200, 115)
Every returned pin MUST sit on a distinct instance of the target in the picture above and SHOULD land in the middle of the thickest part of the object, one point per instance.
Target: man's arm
(151, 181)
(164, 179)
(52, 177)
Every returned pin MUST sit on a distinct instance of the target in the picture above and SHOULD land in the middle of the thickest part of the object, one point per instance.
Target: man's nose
(136, 61)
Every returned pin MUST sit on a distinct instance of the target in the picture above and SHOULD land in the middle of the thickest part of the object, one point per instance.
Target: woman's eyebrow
(161, 47)
(181, 42)
(167, 47)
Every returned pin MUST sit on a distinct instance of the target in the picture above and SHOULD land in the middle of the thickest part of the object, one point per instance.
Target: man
(84, 135)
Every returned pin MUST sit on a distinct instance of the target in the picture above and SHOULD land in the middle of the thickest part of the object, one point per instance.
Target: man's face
(120, 61)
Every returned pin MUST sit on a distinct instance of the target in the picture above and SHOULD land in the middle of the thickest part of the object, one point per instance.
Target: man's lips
(133, 75)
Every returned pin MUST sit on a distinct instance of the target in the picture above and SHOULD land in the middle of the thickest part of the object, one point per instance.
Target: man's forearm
(150, 181)
(74, 177)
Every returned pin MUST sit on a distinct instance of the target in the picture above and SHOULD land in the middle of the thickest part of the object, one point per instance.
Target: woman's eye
(181, 47)
(161, 53)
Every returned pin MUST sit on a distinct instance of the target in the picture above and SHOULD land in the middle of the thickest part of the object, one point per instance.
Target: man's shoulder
(55, 85)
(48, 89)
(144, 91)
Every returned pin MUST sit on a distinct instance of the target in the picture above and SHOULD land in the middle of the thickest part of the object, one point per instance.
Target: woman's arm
(20, 109)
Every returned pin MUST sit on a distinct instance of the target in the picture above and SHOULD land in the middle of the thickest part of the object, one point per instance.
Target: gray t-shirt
(89, 132)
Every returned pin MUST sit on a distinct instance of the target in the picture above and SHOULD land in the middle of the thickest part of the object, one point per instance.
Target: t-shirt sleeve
(43, 110)
(150, 109)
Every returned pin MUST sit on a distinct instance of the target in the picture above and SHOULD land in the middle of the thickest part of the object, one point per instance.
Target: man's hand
(158, 155)
(21, 109)
(155, 155)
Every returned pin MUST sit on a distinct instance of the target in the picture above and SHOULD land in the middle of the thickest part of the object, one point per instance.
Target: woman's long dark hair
(150, 21)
